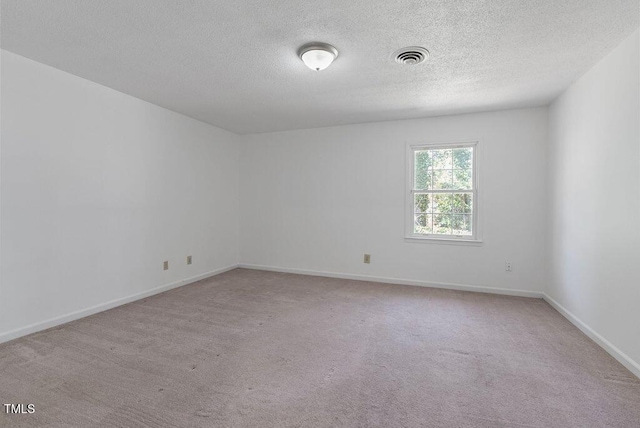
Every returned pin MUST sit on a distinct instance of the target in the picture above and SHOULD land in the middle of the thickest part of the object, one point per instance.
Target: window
(443, 192)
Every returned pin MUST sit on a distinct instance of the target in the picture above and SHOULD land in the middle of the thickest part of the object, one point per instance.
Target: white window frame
(475, 237)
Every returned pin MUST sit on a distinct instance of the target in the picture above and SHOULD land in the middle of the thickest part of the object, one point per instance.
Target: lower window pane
(447, 214)
(423, 224)
(461, 225)
(442, 203)
(422, 203)
(462, 203)
(442, 224)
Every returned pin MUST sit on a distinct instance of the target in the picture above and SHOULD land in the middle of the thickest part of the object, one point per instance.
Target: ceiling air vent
(411, 56)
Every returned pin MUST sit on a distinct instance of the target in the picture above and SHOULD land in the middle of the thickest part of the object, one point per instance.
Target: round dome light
(317, 56)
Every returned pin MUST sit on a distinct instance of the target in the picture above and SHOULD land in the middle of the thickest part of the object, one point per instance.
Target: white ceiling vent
(411, 55)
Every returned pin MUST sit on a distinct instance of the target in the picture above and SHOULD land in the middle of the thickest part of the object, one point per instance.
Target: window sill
(445, 241)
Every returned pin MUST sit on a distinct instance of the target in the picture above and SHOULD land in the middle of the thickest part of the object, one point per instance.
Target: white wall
(594, 158)
(316, 200)
(98, 189)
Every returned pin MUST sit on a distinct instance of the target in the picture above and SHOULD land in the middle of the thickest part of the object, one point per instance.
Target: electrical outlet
(165, 265)
(188, 260)
(367, 258)
(507, 266)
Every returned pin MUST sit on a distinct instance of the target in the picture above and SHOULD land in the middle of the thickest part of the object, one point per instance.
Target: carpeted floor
(262, 349)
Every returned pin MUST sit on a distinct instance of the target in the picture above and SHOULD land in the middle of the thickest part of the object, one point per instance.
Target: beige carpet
(250, 348)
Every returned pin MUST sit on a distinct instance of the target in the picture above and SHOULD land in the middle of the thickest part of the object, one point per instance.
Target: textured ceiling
(233, 63)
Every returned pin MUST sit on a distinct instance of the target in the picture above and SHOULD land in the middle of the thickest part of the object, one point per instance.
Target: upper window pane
(443, 169)
(423, 170)
(462, 158)
(441, 158)
(462, 179)
(442, 179)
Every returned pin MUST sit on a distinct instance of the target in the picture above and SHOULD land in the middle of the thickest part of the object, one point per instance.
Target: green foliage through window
(443, 191)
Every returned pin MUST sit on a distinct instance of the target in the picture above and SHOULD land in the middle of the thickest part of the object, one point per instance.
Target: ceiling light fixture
(317, 56)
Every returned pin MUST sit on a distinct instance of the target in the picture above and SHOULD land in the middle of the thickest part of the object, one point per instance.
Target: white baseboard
(448, 286)
(53, 322)
(622, 358)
